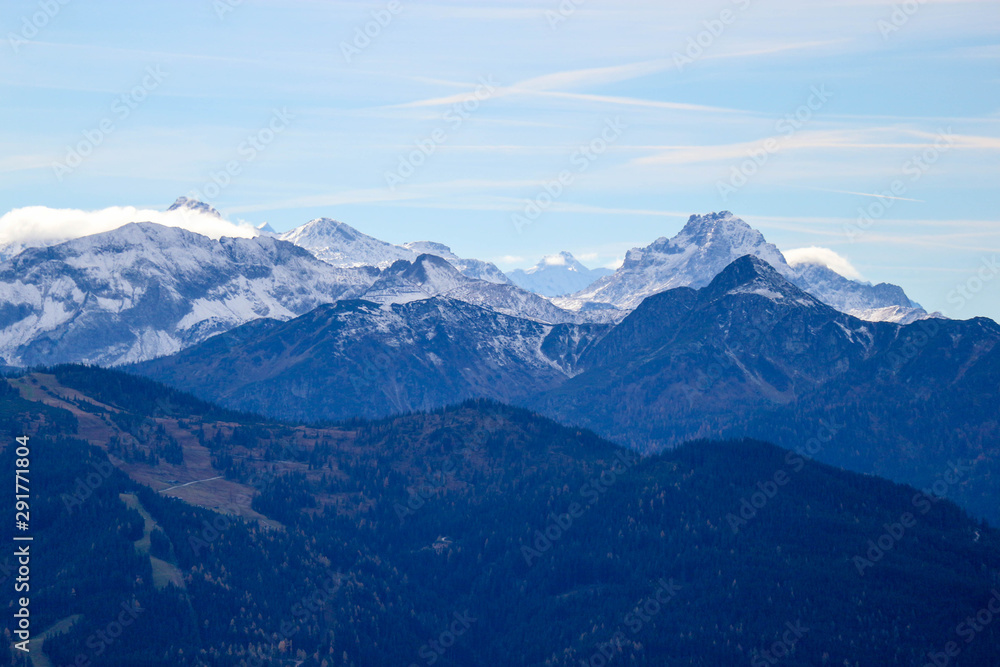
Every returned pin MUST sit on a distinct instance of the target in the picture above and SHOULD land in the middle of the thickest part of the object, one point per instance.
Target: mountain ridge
(706, 245)
(557, 275)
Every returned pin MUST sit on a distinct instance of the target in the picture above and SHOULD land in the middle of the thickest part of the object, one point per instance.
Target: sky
(859, 131)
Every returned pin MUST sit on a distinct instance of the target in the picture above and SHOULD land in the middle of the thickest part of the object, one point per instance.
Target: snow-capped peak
(692, 258)
(146, 289)
(473, 268)
(341, 245)
(183, 203)
(555, 275)
(431, 248)
(709, 243)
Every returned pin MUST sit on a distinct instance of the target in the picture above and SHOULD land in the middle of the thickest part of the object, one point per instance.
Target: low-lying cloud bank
(43, 226)
(823, 257)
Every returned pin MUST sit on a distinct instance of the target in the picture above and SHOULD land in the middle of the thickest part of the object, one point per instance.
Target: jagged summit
(184, 203)
(474, 268)
(752, 275)
(709, 243)
(556, 275)
(430, 276)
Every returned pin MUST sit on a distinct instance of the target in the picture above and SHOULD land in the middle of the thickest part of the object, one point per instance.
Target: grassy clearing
(163, 572)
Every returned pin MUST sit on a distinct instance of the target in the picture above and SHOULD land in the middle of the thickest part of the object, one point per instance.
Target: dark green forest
(483, 535)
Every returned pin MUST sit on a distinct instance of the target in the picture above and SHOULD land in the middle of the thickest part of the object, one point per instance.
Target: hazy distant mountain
(431, 275)
(709, 243)
(145, 290)
(876, 303)
(341, 245)
(557, 275)
(194, 205)
(355, 358)
(474, 268)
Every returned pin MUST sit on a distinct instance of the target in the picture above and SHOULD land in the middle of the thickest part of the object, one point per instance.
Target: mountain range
(431, 275)
(145, 290)
(59, 299)
(449, 537)
(709, 243)
(357, 358)
(318, 449)
(749, 354)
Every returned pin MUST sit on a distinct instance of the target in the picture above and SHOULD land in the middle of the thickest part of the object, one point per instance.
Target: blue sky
(797, 116)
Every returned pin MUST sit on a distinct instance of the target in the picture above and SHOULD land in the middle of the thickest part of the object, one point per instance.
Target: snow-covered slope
(709, 243)
(341, 245)
(473, 268)
(876, 303)
(43, 227)
(429, 276)
(355, 358)
(557, 275)
(145, 290)
(703, 248)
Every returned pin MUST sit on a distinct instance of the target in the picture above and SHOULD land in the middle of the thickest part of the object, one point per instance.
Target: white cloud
(823, 257)
(554, 260)
(41, 225)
